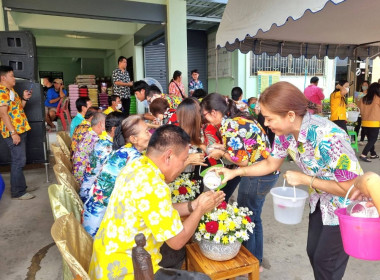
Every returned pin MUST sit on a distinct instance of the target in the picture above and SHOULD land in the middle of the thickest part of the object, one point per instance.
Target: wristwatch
(13, 132)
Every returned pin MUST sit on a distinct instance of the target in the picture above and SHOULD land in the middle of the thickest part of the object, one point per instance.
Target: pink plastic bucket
(361, 236)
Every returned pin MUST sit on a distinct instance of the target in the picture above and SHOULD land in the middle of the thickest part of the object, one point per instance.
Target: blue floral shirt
(322, 150)
(97, 158)
(193, 85)
(102, 188)
(244, 139)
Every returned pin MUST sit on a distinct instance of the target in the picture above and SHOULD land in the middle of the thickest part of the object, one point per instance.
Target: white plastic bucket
(288, 204)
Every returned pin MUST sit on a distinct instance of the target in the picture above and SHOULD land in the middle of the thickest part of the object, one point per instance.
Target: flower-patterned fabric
(82, 154)
(244, 139)
(79, 131)
(322, 150)
(96, 198)
(97, 158)
(176, 89)
(15, 111)
(140, 203)
(173, 100)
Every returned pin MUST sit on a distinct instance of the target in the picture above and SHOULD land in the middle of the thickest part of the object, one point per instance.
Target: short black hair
(80, 102)
(49, 78)
(314, 80)
(4, 69)
(194, 71)
(112, 98)
(139, 85)
(236, 92)
(167, 136)
(91, 112)
(199, 93)
(153, 89)
(121, 58)
(114, 119)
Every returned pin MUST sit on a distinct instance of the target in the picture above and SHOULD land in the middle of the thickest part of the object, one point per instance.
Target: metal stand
(46, 160)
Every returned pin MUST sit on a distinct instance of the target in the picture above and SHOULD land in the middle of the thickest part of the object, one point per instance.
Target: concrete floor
(27, 252)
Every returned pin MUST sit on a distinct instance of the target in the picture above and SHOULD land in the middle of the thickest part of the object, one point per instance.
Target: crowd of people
(124, 162)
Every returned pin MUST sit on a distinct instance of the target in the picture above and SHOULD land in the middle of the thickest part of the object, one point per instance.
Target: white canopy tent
(333, 28)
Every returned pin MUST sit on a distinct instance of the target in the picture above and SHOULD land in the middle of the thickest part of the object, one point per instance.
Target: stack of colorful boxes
(103, 100)
(93, 94)
(73, 96)
(83, 91)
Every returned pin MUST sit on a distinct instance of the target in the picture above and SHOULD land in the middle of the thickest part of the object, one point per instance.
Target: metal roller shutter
(155, 62)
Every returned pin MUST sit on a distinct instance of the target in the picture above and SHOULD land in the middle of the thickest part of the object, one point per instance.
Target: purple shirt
(314, 94)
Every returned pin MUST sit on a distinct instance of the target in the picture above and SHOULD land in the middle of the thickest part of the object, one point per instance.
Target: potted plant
(351, 125)
(183, 188)
(221, 232)
(352, 112)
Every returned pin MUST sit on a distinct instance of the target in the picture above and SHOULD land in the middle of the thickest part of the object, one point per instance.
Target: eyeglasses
(205, 114)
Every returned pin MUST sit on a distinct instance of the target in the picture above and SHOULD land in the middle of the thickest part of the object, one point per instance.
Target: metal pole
(216, 70)
(366, 69)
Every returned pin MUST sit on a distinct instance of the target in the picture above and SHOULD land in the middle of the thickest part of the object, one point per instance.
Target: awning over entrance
(335, 28)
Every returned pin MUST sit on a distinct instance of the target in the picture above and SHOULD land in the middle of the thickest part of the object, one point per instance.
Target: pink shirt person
(314, 94)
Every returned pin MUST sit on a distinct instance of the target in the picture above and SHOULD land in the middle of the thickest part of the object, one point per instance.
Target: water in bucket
(360, 235)
(288, 204)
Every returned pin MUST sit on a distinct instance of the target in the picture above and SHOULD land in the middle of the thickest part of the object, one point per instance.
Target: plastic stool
(354, 144)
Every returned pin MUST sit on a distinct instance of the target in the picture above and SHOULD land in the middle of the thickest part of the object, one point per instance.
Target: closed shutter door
(155, 64)
(197, 54)
(197, 59)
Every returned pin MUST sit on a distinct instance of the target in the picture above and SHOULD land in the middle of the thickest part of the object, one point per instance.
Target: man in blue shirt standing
(53, 96)
(195, 83)
(82, 104)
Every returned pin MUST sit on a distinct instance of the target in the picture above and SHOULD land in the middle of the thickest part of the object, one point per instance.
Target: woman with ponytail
(338, 104)
(329, 167)
(244, 143)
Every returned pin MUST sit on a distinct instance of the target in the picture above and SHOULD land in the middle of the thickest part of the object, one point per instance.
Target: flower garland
(183, 189)
(225, 224)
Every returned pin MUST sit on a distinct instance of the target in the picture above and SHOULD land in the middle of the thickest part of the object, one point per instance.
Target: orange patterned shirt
(15, 111)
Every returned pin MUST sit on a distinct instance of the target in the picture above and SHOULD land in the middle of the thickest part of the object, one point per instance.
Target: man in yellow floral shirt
(13, 128)
(141, 203)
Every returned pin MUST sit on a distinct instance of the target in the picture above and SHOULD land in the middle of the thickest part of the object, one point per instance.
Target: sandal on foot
(364, 159)
(374, 156)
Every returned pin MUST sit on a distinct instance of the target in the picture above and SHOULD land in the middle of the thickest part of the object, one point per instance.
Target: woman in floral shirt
(136, 135)
(329, 167)
(244, 143)
(100, 153)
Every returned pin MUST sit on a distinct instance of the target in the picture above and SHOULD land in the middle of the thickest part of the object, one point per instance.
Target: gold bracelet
(311, 182)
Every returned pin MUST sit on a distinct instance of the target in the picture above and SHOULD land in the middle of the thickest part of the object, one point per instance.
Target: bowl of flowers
(221, 231)
(183, 188)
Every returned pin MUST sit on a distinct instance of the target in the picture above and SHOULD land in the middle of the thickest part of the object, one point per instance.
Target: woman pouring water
(329, 167)
(244, 143)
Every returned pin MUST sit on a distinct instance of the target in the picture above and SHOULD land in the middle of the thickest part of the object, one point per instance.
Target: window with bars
(288, 66)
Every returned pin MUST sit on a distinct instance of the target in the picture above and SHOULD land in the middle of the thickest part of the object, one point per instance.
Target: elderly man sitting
(141, 203)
